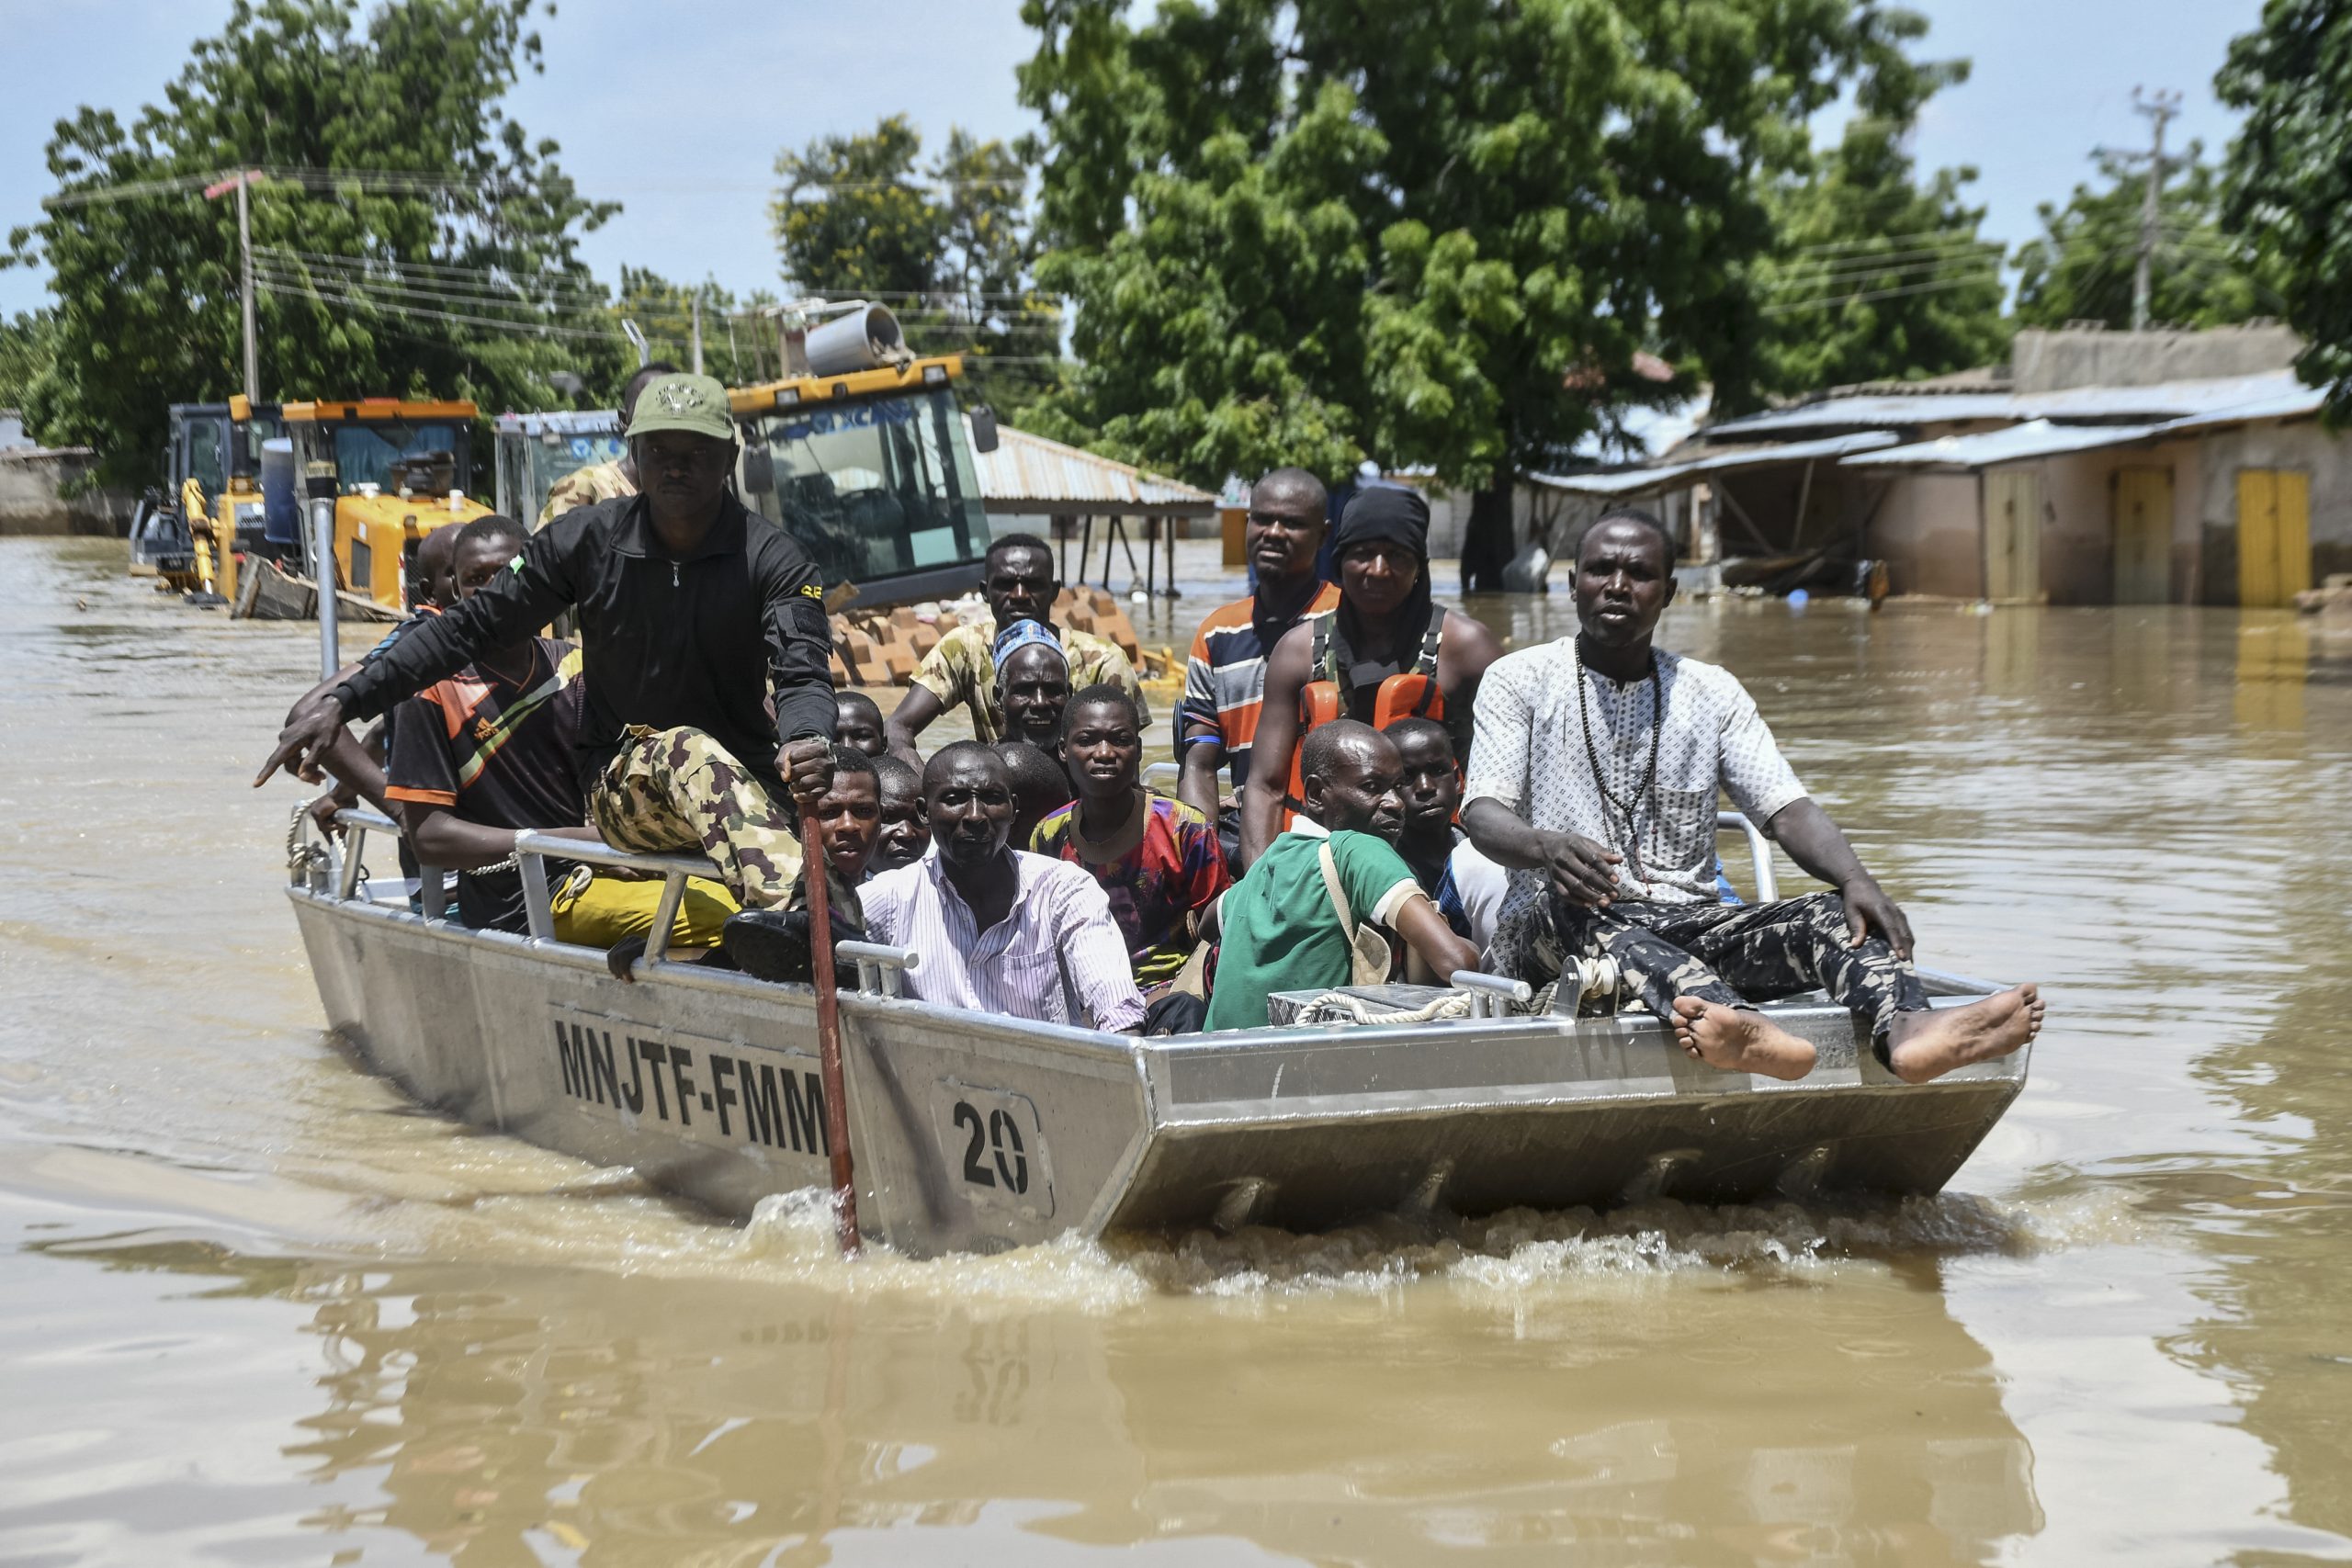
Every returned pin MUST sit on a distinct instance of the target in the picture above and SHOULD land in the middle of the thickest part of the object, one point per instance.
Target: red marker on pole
(829, 1029)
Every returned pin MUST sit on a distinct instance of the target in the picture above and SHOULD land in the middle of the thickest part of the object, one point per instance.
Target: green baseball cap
(694, 404)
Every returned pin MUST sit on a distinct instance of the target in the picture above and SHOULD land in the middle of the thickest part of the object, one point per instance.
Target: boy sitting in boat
(997, 929)
(899, 837)
(1157, 859)
(1595, 775)
(1306, 917)
(1040, 788)
(488, 752)
(857, 723)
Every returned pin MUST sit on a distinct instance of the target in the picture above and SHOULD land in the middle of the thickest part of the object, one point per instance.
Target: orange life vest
(1410, 693)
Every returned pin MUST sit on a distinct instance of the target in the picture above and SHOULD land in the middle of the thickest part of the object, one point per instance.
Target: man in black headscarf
(1385, 625)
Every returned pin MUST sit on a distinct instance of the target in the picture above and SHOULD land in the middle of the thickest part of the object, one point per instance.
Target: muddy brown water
(256, 1308)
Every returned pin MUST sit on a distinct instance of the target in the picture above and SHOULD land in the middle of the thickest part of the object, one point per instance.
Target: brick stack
(883, 647)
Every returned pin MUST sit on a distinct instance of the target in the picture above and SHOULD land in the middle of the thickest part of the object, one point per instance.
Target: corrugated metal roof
(2166, 400)
(1029, 473)
(1635, 481)
(2035, 438)
(2040, 438)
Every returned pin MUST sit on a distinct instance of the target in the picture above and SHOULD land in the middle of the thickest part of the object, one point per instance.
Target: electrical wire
(1992, 279)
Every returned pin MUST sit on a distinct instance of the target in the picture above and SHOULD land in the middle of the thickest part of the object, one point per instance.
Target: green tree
(1011, 334)
(1874, 275)
(2289, 180)
(853, 219)
(1439, 232)
(2081, 267)
(435, 256)
(25, 350)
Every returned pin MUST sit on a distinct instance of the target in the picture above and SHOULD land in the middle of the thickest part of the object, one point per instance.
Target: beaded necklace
(1612, 808)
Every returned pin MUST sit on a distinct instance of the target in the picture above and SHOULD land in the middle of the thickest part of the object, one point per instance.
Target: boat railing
(880, 969)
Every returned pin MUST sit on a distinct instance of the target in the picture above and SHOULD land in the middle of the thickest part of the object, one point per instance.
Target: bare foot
(1739, 1039)
(1925, 1045)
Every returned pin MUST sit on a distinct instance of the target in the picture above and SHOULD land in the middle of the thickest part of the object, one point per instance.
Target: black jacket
(695, 640)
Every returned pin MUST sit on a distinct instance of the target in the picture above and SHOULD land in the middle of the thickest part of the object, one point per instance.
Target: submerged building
(2098, 467)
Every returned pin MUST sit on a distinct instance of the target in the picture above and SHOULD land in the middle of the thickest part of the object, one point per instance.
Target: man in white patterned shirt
(999, 930)
(1594, 778)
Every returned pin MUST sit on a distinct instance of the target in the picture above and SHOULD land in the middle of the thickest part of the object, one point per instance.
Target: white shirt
(1476, 886)
(1530, 755)
(1058, 957)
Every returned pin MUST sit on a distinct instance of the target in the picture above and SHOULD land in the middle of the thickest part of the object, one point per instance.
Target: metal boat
(974, 1133)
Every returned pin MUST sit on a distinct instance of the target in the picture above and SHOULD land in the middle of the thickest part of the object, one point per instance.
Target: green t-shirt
(1280, 931)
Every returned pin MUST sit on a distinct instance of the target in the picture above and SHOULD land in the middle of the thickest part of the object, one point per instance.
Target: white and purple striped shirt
(1058, 957)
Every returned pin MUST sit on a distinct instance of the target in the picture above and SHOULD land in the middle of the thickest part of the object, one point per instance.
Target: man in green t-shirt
(1281, 930)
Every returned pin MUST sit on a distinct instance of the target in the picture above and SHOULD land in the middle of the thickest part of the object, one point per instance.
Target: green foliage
(439, 259)
(26, 346)
(1438, 231)
(948, 247)
(2289, 178)
(850, 217)
(1875, 277)
(2081, 267)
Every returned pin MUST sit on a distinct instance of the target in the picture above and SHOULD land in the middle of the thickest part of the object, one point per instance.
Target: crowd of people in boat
(1405, 799)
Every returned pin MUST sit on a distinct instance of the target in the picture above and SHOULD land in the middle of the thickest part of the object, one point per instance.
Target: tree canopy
(1874, 276)
(437, 259)
(2289, 180)
(948, 246)
(1436, 232)
(2081, 267)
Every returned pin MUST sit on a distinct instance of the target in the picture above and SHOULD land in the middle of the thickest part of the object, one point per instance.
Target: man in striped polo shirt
(1224, 680)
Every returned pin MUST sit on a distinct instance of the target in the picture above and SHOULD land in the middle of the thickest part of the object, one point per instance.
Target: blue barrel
(281, 513)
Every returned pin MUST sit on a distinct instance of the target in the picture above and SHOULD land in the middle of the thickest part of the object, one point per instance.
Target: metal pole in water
(322, 574)
(829, 1029)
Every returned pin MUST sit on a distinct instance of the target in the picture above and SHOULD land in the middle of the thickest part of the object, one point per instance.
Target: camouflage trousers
(1737, 955)
(672, 791)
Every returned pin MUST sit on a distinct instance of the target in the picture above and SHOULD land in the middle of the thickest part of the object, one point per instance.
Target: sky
(677, 111)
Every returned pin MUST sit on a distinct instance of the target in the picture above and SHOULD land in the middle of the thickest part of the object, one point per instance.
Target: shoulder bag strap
(1367, 949)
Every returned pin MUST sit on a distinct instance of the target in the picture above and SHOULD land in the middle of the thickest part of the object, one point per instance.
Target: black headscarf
(1391, 514)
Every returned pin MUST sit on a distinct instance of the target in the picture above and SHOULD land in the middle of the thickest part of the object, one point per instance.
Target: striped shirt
(1058, 958)
(1225, 679)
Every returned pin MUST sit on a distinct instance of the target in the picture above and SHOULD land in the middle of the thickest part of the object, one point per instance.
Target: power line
(1983, 279)
(519, 329)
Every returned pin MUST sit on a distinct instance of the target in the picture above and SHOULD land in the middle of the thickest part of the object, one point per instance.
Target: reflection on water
(260, 1309)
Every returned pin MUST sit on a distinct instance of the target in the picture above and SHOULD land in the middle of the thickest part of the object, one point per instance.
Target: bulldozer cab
(534, 450)
(397, 471)
(223, 455)
(871, 472)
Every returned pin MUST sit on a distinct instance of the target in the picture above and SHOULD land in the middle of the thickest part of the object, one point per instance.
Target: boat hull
(977, 1133)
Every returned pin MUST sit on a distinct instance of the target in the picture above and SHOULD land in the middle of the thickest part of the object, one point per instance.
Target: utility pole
(697, 331)
(241, 181)
(2160, 106)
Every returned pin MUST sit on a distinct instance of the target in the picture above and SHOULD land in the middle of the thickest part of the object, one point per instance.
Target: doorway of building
(2142, 535)
(2013, 534)
(2274, 536)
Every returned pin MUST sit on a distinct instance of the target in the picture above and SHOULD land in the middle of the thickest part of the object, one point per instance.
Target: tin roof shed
(1029, 475)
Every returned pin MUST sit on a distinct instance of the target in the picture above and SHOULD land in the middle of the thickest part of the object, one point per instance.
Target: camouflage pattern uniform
(962, 669)
(1737, 955)
(585, 487)
(673, 791)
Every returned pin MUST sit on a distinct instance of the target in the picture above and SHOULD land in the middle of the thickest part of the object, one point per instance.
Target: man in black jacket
(691, 609)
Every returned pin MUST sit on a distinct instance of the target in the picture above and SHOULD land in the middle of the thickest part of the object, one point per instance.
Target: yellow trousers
(597, 911)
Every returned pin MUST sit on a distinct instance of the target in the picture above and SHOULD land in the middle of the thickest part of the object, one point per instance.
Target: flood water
(256, 1308)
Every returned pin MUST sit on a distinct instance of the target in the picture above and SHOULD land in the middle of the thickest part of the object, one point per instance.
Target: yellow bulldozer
(396, 472)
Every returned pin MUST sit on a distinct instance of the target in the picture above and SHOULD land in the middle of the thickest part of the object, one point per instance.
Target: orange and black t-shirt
(496, 749)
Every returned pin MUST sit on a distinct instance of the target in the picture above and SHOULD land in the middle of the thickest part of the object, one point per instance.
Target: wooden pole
(829, 1029)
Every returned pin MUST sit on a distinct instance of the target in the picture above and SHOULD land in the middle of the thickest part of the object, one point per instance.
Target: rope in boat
(1596, 980)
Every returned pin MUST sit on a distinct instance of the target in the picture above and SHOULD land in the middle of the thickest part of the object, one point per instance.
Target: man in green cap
(693, 611)
(604, 482)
